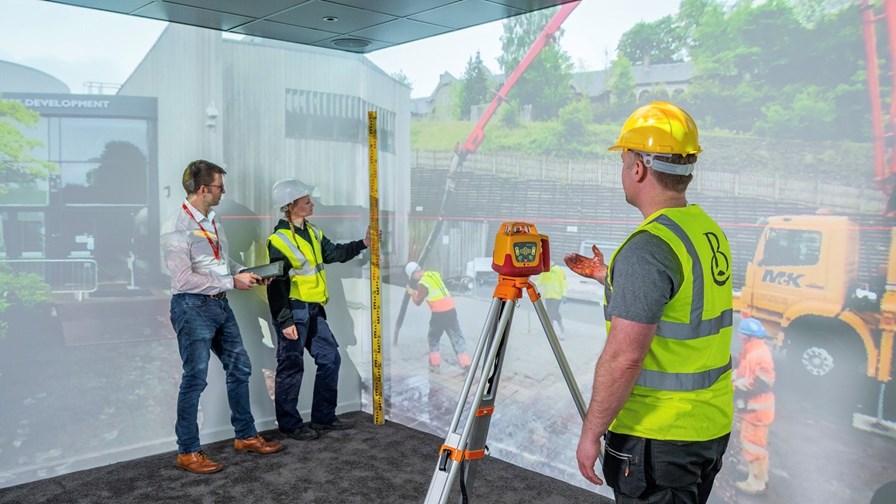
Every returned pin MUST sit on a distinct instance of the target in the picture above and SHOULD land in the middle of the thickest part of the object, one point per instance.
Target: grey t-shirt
(646, 274)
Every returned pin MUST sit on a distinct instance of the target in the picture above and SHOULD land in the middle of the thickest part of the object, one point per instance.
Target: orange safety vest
(437, 294)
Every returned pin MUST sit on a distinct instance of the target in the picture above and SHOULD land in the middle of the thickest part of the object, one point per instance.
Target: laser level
(519, 251)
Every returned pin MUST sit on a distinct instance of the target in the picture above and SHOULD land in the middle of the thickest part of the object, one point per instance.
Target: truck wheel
(816, 360)
(823, 366)
(825, 359)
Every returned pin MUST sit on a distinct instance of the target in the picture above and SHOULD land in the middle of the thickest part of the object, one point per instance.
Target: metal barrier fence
(62, 275)
(863, 197)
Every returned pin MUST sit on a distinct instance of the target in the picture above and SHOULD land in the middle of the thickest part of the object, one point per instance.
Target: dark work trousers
(446, 322)
(552, 306)
(315, 335)
(643, 470)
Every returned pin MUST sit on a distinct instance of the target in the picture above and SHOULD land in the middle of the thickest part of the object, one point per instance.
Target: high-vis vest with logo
(684, 391)
(438, 297)
(307, 278)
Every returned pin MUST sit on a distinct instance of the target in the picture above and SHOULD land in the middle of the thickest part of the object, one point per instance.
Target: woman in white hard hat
(297, 307)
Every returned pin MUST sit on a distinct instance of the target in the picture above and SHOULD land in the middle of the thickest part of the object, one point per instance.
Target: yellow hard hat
(661, 128)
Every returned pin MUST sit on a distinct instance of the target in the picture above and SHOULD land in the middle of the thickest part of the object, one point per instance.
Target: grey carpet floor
(390, 463)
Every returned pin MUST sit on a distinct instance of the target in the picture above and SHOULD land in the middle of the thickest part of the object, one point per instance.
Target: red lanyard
(216, 245)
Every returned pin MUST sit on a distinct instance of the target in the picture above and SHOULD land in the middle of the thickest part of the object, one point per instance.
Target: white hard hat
(411, 268)
(286, 191)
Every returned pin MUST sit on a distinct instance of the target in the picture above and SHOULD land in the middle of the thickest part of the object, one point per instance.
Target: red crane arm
(884, 159)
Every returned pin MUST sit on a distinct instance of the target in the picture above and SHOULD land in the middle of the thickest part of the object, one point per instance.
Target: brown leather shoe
(257, 444)
(198, 462)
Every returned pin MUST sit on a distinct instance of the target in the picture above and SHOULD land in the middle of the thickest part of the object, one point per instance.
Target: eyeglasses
(221, 187)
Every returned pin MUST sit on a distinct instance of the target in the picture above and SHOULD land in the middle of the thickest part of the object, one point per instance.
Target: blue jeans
(314, 334)
(206, 324)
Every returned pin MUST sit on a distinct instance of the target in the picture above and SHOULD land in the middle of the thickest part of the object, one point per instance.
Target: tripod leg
(479, 430)
(485, 338)
(457, 447)
(560, 356)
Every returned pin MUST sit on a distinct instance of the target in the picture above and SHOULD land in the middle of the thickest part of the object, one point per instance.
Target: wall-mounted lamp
(211, 114)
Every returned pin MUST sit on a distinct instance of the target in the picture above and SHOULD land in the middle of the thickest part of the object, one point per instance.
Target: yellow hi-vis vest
(684, 391)
(437, 296)
(307, 279)
(552, 283)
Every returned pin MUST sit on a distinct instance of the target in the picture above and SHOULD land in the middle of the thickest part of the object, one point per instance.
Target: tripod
(462, 448)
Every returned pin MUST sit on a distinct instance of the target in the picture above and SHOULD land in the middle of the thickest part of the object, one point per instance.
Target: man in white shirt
(195, 249)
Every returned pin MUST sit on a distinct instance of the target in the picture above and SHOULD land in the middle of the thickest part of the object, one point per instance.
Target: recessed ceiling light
(350, 43)
(331, 18)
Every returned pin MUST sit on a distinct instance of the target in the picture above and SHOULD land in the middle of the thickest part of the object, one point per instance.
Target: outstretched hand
(588, 267)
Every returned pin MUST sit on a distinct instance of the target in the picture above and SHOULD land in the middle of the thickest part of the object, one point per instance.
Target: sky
(79, 45)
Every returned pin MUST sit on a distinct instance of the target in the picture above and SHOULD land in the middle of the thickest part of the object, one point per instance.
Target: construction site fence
(78, 276)
(801, 188)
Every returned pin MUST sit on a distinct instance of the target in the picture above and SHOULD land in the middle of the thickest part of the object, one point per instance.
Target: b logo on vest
(720, 264)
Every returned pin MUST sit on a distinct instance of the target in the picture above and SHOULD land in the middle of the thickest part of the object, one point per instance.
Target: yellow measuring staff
(375, 294)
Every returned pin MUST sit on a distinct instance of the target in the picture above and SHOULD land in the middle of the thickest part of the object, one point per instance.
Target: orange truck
(834, 324)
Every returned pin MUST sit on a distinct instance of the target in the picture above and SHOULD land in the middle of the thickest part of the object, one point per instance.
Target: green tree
(401, 77)
(509, 114)
(574, 119)
(546, 83)
(689, 18)
(653, 42)
(476, 86)
(17, 166)
(756, 63)
(811, 12)
(622, 87)
(811, 112)
(26, 289)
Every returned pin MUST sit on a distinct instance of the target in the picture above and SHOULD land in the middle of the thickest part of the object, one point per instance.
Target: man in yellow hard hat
(662, 396)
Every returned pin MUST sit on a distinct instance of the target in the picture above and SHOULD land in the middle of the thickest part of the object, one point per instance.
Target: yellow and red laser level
(520, 251)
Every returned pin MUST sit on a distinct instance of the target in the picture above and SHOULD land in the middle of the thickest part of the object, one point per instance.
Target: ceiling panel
(529, 5)
(285, 32)
(191, 16)
(467, 13)
(401, 31)
(251, 8)
(368, 24)
(400, 8)
(123, 6)
(345, 19)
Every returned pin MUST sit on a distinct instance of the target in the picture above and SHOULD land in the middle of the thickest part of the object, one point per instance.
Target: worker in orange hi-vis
(428, 285)
(755, 402)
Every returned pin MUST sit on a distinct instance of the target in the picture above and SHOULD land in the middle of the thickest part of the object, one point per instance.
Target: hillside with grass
(844, 162)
